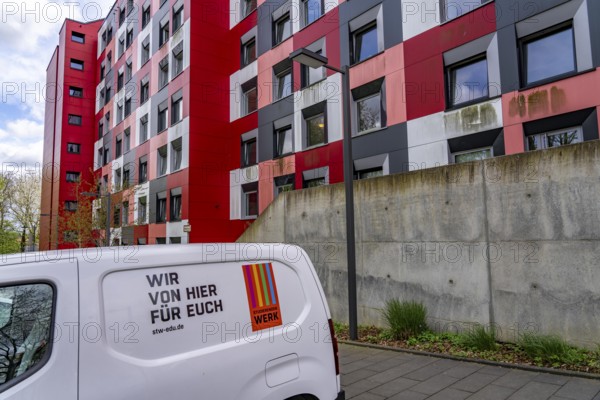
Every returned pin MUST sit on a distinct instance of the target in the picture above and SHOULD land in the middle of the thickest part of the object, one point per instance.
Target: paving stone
(427, 372)
(493, 392)
(462, 371)
(580, 389)
(493, 370)
(394, 387)
(409, 395)
(435, 384)
(552, 378)
(474, 382)
(402, 369)
(535, 391)
(368, 396)
(359, 387)
(515, 379)
(355, 366)
(348, 379)
(450, 394)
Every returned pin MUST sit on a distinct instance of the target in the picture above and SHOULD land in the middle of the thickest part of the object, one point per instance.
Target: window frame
(382, 124)
(246, 156)
(143, 171)
(246, 101)
(543, 136)
(475, 150)
(79, 36)
(163, 73)
(305, 7)
(71, 118)
(160, 217)
(162, 166)
(73, 177)
(164, 34)
(73, 90)
(246, 60)
(172, 215)
(176, 154)
(162, 122)
(146, 15)
(451, 87)
(277, 23)
(178, 15)
(276, 141)
(362, 30)
(176, 110)
(540, 35)
(245, 10)
(77, 65)
(246, 193)
(279, 92)
(69, 144)
(313, 117)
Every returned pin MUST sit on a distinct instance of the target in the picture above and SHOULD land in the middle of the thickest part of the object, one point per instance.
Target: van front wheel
(303, 397)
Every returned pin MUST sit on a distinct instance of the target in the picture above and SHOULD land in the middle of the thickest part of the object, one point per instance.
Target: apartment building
(202, 120)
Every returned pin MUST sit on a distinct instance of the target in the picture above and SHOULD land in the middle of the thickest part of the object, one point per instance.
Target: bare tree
(25, 199)
(6, 185)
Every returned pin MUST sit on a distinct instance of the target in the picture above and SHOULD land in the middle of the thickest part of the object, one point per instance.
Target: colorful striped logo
(262, 296)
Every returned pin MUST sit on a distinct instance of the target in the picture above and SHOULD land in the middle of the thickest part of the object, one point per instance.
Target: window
(175, 240)
(250, 201)
(117, 216)
(311, 11)
(473, 155)
(548, 54)
(161, 207)
(108, 95)
(118, 178)
(316, 182)
(75, 91)
(176, 154)
(163, 77)
(120, 80)
(145, 16)
(162, 160)
(247, 7)
(176, 204)
(129, 38)
(248, 52)
(73, 177)
(249, 152)
(100, 156)
(26, 321)
(176, 107)
(121, 48)
(106, 155)
(100, 129)
(141, 211)
(282, 29)
(364, 43)
(127, 142)
(128, 70)
(119, 112)
(70, 237)
(369, 173)
(178, 59)
(74, 119)
(145, 51)
(284, 141)
(145, 90)
(78, 37)
(102, 71)
(455, 8)
(162, 117)
(310, 76)
(368, 110)
(163, 35)
(315, 130)
(143, 128)
(143, 175)
(125, 214)
(161, 240)
(126, 176)
(77, 64)
(121, 16)
(284, 184)
(249, 97)
(554, 139)
(141, 241)
(119, 146)
(177, 19)
(71, 206)
(468, 81)
(283, 80)
(109, 34)
(73, 148)
(127, 106)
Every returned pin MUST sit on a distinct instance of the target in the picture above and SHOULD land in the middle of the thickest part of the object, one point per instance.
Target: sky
(28, 36)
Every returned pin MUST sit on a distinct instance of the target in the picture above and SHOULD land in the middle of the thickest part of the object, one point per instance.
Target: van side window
(25, 330)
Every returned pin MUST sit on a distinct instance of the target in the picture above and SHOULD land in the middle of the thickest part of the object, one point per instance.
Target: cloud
(21, 142)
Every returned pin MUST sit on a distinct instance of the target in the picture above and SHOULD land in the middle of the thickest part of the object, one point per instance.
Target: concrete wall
(512, 241)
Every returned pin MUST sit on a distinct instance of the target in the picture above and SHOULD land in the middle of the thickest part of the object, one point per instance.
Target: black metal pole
(349, 186)
(108, 214)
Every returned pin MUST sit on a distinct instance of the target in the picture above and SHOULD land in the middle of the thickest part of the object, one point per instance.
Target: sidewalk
(373, 374)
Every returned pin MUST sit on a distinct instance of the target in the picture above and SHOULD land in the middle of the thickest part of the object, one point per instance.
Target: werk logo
(262, 296)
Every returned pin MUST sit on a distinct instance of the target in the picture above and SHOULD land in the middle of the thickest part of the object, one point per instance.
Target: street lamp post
(107, 228)
(314, 60)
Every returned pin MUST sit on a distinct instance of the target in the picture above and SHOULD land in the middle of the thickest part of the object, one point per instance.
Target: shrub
(405, 319)
(479, 338)
(547, 348)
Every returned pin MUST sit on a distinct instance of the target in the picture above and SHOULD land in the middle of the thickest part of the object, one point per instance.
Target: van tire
(303, 397)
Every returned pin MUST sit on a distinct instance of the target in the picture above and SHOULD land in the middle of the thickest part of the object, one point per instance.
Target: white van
(209, 321)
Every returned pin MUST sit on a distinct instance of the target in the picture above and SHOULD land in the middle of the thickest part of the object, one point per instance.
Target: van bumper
(341, 396)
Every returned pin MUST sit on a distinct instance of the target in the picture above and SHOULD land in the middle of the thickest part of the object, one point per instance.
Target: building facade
(201, 118)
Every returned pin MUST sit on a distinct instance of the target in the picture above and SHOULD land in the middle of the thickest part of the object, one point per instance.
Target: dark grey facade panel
(156, 186)
(509, 59)
(590, 126)
(392, 22)
(387, 140)
(509, 12)
(156, 18)
(594, 16)
(264, 40)
(266, 117)
(398, 161)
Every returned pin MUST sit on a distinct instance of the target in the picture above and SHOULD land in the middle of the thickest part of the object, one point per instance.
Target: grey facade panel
(156, 18)
(391, 140)
(594, 11)
(392, 23)
(509, 59)
(264, 40)
(156, 186)
(509, 12)
(266, 117)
